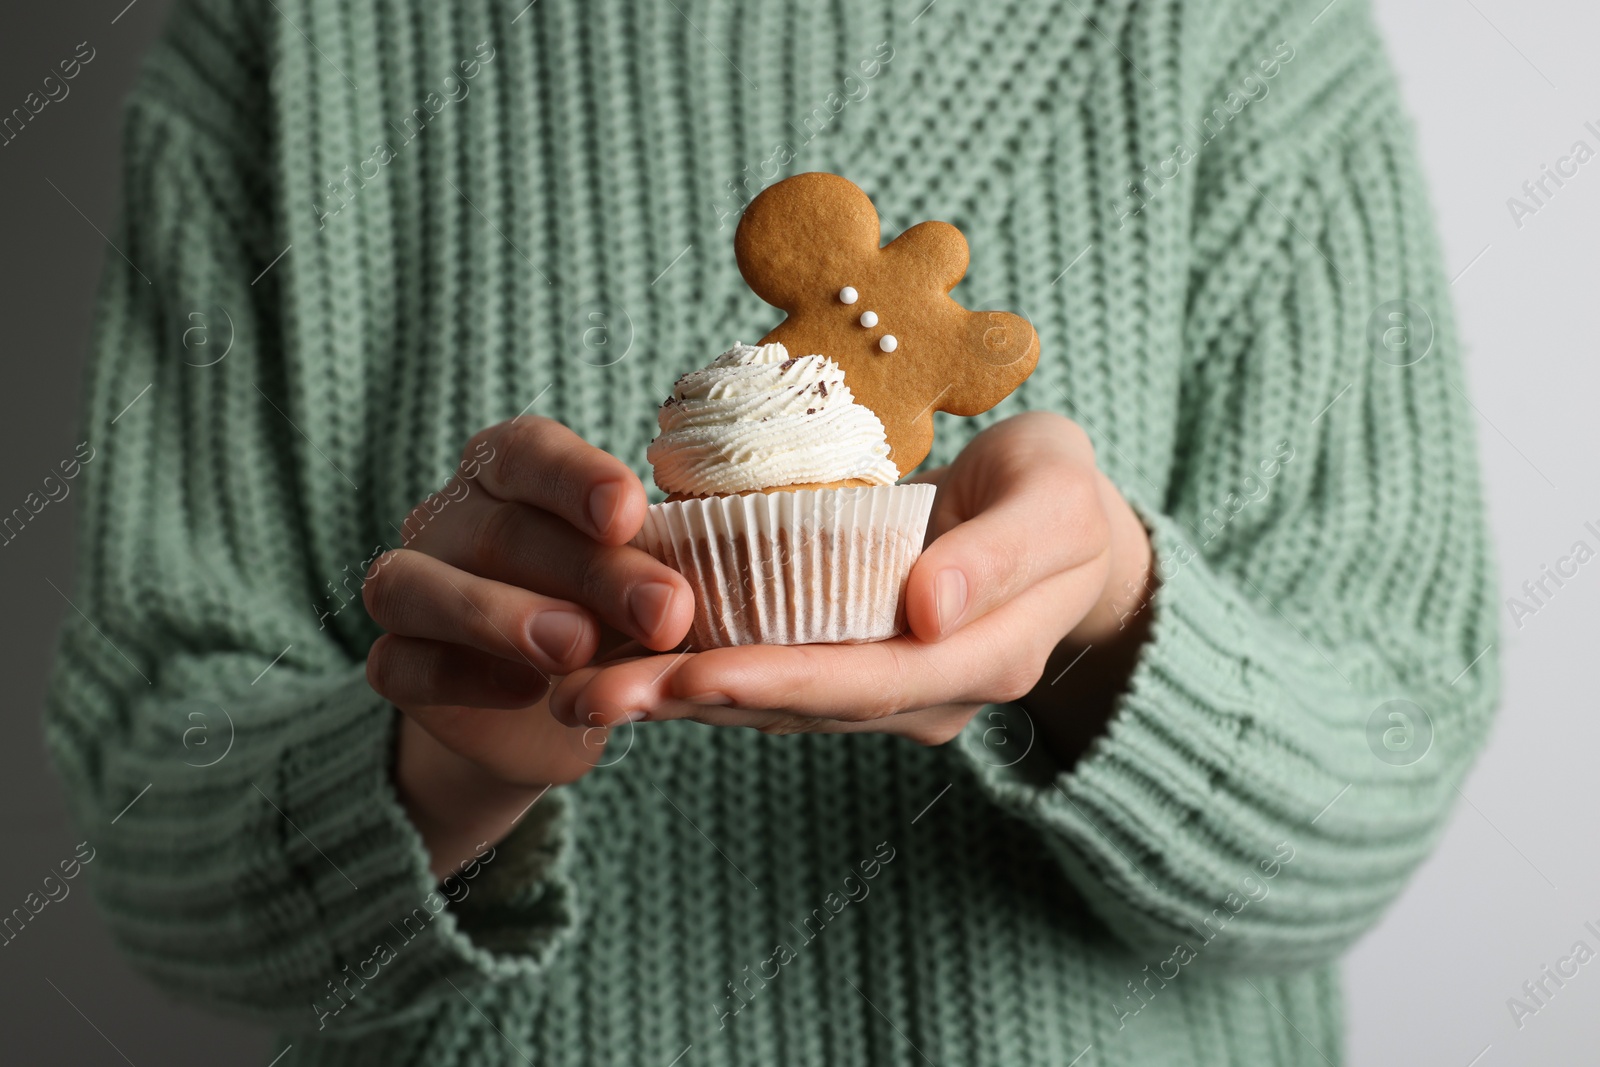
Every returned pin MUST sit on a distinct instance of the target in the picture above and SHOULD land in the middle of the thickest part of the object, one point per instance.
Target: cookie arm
(1256, 797)
(930, 253)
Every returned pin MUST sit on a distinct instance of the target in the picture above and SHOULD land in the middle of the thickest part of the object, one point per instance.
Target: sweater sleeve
(223, 755)
(1320, 669)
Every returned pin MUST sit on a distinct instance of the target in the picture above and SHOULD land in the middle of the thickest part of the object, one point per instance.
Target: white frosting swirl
(757, 418)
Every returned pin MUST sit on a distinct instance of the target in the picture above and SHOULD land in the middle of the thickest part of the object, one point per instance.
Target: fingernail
(605, 500)
(634, 716)
(949, 598)
(709, 698)
(649, 604)
(556, 634)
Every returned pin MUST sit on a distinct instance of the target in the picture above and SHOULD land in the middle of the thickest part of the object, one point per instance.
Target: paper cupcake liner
(793, 568)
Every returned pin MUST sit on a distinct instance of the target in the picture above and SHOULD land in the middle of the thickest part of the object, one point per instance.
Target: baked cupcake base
(808, 566)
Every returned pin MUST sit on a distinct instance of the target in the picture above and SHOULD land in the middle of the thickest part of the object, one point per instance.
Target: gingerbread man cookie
(809, 246)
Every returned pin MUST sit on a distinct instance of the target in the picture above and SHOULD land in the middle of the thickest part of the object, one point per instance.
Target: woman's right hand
(517, 572)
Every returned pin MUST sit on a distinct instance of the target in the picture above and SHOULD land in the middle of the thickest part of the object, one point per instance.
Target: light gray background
(1497, 88)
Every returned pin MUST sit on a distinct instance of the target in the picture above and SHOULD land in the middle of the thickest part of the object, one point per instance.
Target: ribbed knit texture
(1027, 914)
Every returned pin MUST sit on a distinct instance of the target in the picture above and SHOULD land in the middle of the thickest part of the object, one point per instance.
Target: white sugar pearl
(888, 343)
(848, 295)
(869, 318)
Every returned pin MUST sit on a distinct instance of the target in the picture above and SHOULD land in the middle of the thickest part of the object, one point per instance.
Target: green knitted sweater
(357, 231)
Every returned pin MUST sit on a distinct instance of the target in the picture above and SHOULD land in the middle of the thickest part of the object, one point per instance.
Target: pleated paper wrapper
(811, 566)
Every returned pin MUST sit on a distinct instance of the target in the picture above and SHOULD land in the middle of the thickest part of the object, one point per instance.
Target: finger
(540, 462)
(926, 726)
(996, 659)
(524, 546)
(415, 672)
(848, 683)
(933, 726)
(415, 595)
(624, 695)
(608, 705)
(626, 692)
(512, 744)
(1036, 523)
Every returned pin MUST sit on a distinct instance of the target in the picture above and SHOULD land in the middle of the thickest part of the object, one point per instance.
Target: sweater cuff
(1135, 823)
(387, 938)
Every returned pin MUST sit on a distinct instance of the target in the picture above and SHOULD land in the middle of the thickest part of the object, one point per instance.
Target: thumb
(1037, 521)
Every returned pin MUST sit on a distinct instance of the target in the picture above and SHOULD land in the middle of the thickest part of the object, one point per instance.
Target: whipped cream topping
(759, 418)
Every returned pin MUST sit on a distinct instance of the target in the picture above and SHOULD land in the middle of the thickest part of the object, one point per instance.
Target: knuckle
(485, 438)
(1084, 516)
(1016, 681)
(885, 698)
(596, 581)
(1040, 419)
(1070, 505)
(877, 694)
(889, 695)
(422, 674)
(564, 485)
(493, 532)
(521, 454)
(1075, 435)
(1078, 492)
(478, 622)
(935, 734)
(418, 518)
(997, 571)
(535, 459)
(383, 669)
(1066, 431)
(1098, 534)
(383, 588)
(1009, 691)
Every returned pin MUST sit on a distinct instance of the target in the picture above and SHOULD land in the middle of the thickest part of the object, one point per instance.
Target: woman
(1178, 714)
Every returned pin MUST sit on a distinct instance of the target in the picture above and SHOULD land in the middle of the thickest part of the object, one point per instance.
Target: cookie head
(810, 246)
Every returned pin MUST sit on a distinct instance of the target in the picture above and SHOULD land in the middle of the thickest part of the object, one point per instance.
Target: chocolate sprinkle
(786, 365)
(811, 411)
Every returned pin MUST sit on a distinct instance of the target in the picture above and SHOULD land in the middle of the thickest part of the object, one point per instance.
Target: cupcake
(780, 459)
(782, 507)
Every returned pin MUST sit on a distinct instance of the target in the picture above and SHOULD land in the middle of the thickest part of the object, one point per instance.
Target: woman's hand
(517, 572)
(1036, 557)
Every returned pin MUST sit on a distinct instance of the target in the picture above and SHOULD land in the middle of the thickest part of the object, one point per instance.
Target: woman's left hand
(1035, 557)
